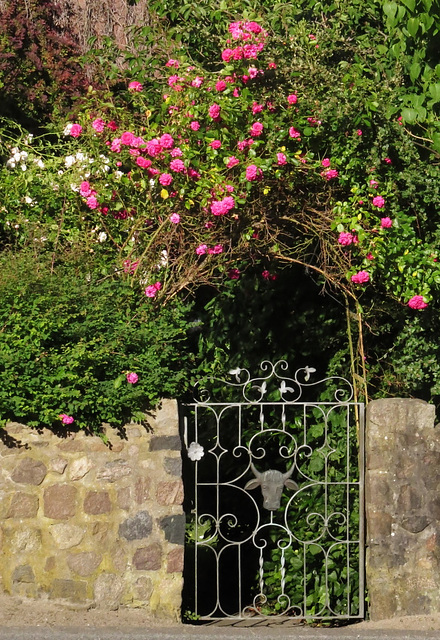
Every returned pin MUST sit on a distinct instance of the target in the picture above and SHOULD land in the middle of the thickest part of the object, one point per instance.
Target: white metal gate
(275, 495)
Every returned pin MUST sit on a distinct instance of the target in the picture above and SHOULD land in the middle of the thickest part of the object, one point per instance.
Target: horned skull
(272, 483)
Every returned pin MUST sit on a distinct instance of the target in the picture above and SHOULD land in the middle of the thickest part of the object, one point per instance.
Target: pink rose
(135, 86)
(143, 162)
(177, 165)
(232, 161)
(257, 108)
(214, 111)
(331, 174)
(215, 144)
(294, 133)
(98, 125)
(85, 189)
(281, 158)
(65, 419)
(132, 377)
(92, 202)
(256, 129)
(252, 172)
(378, 201)
(361, 277)
(165, 179)
(386, 223)
(127, 138)
(175, 218)
(234, 274)
(197, 82)
(201, 249)
(75, 132)
(172, 63)
(220, 85)
(166, 141)
(417, 302)
(326, 162)
(194, 125)
(152, 289)
(292, 99)
(216, 250)
(346, 239)
(154, 147)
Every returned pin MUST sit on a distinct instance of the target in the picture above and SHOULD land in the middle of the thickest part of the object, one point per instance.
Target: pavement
(214, 632)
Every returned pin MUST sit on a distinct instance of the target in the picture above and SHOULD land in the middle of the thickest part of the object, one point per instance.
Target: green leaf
(413, 26)
(409, 115)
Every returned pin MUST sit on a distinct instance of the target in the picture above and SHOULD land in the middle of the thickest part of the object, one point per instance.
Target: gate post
(402, 508)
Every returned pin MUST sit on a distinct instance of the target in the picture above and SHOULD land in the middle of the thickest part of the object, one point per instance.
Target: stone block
(114, 470)
(169, 493)
(124, 498)
(167, 417)
(25, 540)
(160, 443)
(23, 573)
(79, 468)
(66, 535)
(174, 528)
(74, 445)
(29, 471)
(23, 505)
(60, 501)
(84, 563)
(173, 466)
(143, 588)
(175, 561)
(142, 489)
(97, 502)
(58, 465)
(74, 590)
(138, 527)
(148, 558)
(100, 532)
(108, 591)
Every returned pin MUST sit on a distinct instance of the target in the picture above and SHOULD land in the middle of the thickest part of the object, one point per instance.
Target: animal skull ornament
(272, 483)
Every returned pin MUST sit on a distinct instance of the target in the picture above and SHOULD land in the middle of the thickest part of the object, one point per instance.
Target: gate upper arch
(274, 485)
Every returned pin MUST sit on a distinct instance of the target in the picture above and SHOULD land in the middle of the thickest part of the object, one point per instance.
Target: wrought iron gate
(274, 489)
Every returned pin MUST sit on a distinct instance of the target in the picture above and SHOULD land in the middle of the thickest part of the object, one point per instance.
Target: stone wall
(402, 508)
(94, 523)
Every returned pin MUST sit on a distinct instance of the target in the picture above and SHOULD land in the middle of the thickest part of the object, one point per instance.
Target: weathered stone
(113, 471)
(79, 468)
(60, 501)
(169, 493)
(23, 505)
(159, 443)
(25, 540)
(58, 465)
(379, 525)
(173, 466)
(50, 564)
(124, 498)
(75, 590)
(119, 557)
(142, 490)
(66, 535)
(167, 417)
(148, 558)
(72, 446)
(29, 471)
(100, 532)
(143, 588)
(84, 563)
(97, 502)
(402, 483)
(174, 528)
(175, 561)
(138, 527)
(108, 591)
(23, 573)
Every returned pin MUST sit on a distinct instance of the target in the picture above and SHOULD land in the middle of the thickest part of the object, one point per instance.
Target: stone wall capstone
(91, 522)
(402, 508)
